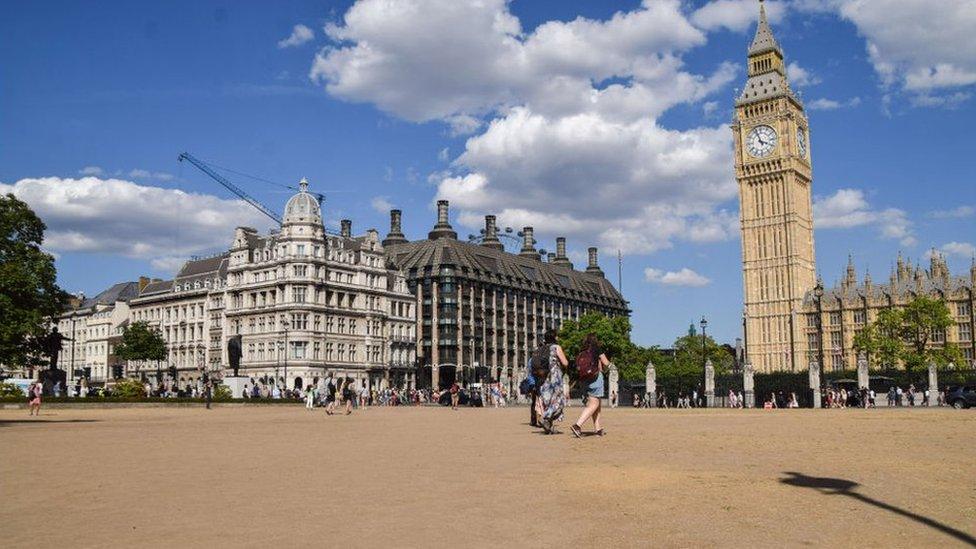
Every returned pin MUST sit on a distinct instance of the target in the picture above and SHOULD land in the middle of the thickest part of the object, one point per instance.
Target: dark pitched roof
(200, 270)
(123, 291)
(159, 287)
(500, 267)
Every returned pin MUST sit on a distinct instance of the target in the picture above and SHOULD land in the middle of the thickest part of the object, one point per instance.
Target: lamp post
(284, 327)
(704, 324)
(818, 292)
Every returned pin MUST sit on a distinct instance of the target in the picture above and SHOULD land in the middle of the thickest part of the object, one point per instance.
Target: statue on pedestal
(234, 353)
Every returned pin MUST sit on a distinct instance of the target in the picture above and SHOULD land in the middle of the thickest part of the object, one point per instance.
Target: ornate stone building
(93, 327)
(772, 166)
(833, 316)
(480, 309)
(302, 301)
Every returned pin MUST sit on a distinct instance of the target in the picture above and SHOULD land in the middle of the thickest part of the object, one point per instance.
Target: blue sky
(603, 121)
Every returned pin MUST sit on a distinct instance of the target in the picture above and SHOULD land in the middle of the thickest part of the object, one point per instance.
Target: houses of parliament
(790, 320)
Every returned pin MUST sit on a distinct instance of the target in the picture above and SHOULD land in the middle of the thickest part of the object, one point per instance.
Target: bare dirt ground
(395, 477)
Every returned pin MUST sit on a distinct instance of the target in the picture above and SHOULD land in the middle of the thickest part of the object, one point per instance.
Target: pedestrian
(208, 392)
(613, 399)
(348, 394)
(793, 402)
(455, 395)
(331, 392)
(309, 398)
(34, 391)
(552, 398)
(595, 388)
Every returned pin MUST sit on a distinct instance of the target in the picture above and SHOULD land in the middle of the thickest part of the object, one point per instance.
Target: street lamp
(284, 327)
(704, 324)
(818, 292)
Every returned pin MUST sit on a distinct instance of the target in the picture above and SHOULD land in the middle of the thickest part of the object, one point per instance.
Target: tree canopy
(30, 298)
(140, 342)
(904, 334)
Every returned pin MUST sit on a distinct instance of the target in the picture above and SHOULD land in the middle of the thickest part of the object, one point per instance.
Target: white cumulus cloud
(824, 104)
(958, 212)
(300, 34)
(90, 170)
(918, 47)
(735, 15)
(381, 204)
(563, 120)
(683, 277)
(799, 76)
(961, 249)
(115, 216)
(848, 208)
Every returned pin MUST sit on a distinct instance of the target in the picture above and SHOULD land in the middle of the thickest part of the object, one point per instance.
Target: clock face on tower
(801, 142)
(761, 141)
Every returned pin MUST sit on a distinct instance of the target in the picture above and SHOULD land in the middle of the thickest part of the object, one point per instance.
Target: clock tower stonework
(772, 166)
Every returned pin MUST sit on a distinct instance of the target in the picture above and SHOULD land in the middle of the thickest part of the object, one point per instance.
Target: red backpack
(588, 365)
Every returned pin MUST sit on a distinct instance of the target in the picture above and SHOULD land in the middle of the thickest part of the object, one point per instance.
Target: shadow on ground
(12, 421)
(838, 486)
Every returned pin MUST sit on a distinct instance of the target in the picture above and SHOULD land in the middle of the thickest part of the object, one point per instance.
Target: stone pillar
(748, 385)
(614, 382)
(435, 353)
(815, 383)
(709, 384)
(862, 371)
(650, 380)
(933, 385)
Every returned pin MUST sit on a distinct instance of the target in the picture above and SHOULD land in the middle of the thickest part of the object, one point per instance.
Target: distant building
(94, 326)
(832, 316)
(302, 301)
(481, 310)
(773, 168)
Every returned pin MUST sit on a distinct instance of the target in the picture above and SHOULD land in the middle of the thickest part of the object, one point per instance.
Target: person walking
(594, 390)
(309, 397)
(552, 398)
(348, 394)
(34, 391)
(331, 391)
(208, 392)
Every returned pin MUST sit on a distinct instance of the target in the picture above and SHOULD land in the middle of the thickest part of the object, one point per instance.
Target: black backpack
(540, 363)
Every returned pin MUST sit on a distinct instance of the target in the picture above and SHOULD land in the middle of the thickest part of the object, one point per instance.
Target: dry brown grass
(433, 477)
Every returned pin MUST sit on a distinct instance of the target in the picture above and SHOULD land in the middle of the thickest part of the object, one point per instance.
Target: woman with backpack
(34, 391)
(591, 362)
(547, 365)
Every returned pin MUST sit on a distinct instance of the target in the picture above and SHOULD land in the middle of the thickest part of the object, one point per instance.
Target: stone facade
(832, 316)
(93, 327)
(304, 302)
(481, 310)
(773, 168)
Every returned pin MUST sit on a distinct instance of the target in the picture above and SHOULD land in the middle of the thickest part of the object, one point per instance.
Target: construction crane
(205, 168)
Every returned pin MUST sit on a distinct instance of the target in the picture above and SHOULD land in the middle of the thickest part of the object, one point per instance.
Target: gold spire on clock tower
(772, 166)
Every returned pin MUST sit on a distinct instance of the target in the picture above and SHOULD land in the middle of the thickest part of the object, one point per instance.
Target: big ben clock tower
(772, 166)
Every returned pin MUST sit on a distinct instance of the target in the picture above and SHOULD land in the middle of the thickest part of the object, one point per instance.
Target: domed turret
(303, 207)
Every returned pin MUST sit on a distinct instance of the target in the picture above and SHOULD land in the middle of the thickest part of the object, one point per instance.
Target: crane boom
(203, 167)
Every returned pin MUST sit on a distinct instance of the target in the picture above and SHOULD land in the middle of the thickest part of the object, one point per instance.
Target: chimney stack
(528, 243)
(491, 234)
(443, 227)
(396, 231)
(551, 257)
(561, 258)
(594, 265)
(346, 228)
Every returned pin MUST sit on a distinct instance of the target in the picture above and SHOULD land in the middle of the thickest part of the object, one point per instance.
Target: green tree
(904, 335)
(612, 331)
(920, 319)
(30, 298)
(140, 342)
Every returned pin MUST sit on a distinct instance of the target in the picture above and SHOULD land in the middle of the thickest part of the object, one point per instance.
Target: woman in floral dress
(552, 399)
